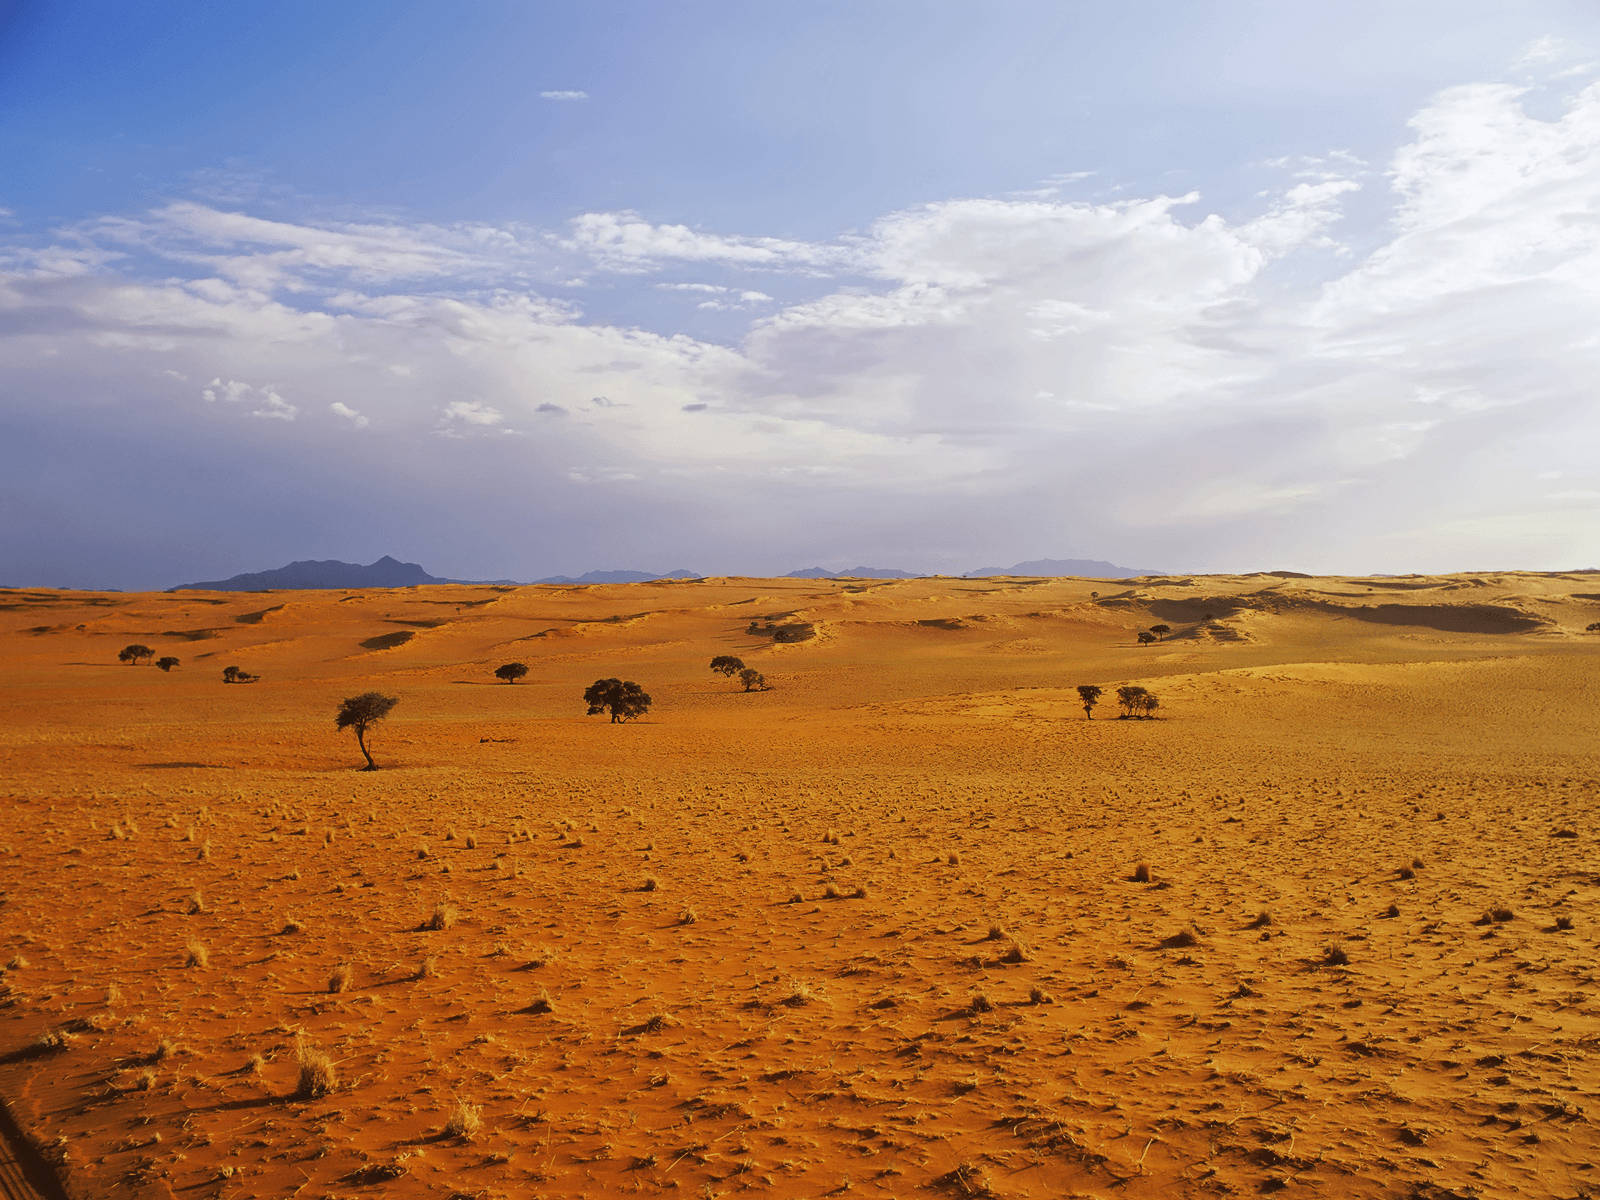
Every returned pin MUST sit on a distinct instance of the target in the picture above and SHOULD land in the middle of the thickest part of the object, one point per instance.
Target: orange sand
(1112, 1038)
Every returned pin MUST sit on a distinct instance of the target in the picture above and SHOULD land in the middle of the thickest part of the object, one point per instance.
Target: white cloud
(340, 409)
(626, 241)
(564, 95)
(473, 412)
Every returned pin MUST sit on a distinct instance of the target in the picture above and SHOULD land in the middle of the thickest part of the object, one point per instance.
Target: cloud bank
(973, 379)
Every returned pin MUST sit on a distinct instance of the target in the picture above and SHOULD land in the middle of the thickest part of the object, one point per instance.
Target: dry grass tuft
(196, 955)
(688, 916)
(1260, 921)
(428, 968)
(197, 904)
(1141, 873)
(800, 994)
(1335, 955)
(1037, 995)
(464, 1122)
(317, 1077)
(339, 978)
(442, 917)
(649, 884)
(980, 1003)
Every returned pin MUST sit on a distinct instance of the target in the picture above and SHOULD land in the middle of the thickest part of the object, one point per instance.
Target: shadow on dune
(182, 766)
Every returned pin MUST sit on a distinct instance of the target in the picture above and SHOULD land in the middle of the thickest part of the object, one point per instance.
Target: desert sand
(906, 924)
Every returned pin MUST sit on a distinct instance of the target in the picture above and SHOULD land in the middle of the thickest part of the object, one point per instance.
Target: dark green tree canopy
(167, 663)
(1146, 637)
(1161, 631)
(362, 712)
(622, 698)
(727, 664)
(753, 680)
(132, 654)
(511, 672)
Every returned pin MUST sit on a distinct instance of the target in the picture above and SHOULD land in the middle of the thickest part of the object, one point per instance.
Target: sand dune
(906, 924)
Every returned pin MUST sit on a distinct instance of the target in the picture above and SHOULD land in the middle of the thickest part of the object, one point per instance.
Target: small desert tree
(1131, 698)
(622, 698)
(134, 653)
(1090, 695)
(1146, 637)
(1148, 705)
(236, 675)
(1161, 631)
(167, 663)
(727, 664)
(1595, 628)
(361, 713)
(511, 672)
(753, 680)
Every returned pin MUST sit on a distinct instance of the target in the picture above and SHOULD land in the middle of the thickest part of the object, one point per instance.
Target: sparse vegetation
(1136, 702)
(753, 680)
(134, 653)
(1161, 631)
(1089, 695)
(167, 662)
(361, 713)
(237, 675)
(622, 698)
(1146, 637)
(511, 672)
(727, 665)
(316, 1074)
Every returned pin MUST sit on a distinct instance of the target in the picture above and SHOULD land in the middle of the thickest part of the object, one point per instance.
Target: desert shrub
(1161, 631)
(316, 1076)
(1146, 637)
(133, 653)
(511, 672)
(753, 680)
(167, 662)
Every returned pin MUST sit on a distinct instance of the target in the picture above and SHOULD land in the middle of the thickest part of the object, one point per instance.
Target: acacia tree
(753, 680)
(167, 663)
(1090, 695)
(1161, 631)
(1146, 637)
(361, 713)
(131, 654)
(622, 698)
(236, 675)
(511, 672)
(728, 665)
(1130, 697)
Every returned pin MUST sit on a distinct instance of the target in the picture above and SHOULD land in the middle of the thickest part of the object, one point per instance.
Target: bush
(753, 680)
(727, 664)
(133, 653)
(511, 672)
(167, 663)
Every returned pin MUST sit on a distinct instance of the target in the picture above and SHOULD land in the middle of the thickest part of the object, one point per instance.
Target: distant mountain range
(388, 572)
(325, 573)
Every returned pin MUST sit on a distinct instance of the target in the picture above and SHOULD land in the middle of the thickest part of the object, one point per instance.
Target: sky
(520, 289)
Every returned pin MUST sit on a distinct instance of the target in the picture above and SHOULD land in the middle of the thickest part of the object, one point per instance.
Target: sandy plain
(874, 932)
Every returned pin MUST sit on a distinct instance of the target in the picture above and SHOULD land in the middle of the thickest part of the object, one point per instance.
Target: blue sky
(517, 289)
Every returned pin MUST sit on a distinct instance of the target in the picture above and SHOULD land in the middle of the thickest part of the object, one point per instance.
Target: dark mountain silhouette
(325, 573)
(1088, 568)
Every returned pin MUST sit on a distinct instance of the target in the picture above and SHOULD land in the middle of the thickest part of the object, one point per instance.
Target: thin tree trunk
(362, 742)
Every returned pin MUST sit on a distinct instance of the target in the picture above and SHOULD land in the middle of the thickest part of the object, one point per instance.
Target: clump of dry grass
(1335, 955)
(831, 892)
(1037, 995)
(316, 1074)
(980, 1003)
(442, 917)
(795, 897)
(464, 1121)
(800, 994)
(1141, 873)
(540, 1004)
(953, 858)
(196, 955)
(688, 916)
(830, 838)
(291, 925)
(428, 968)
(339, 978)
(450, 834)
(649, 884)
(1563, 923)
(997, 933)
(1015, 953)
(196, 904)
(204, 853)
(1405, 872)
(471, 842)
(1260, 921)
(860, 892)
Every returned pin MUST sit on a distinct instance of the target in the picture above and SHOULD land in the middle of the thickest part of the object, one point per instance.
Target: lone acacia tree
(1161, 631)
(753, 680)
(622, 698)
(1090, 695)
(727, 664)
(511, 672)
(131, 654)
(361, 713)
(167, 663)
